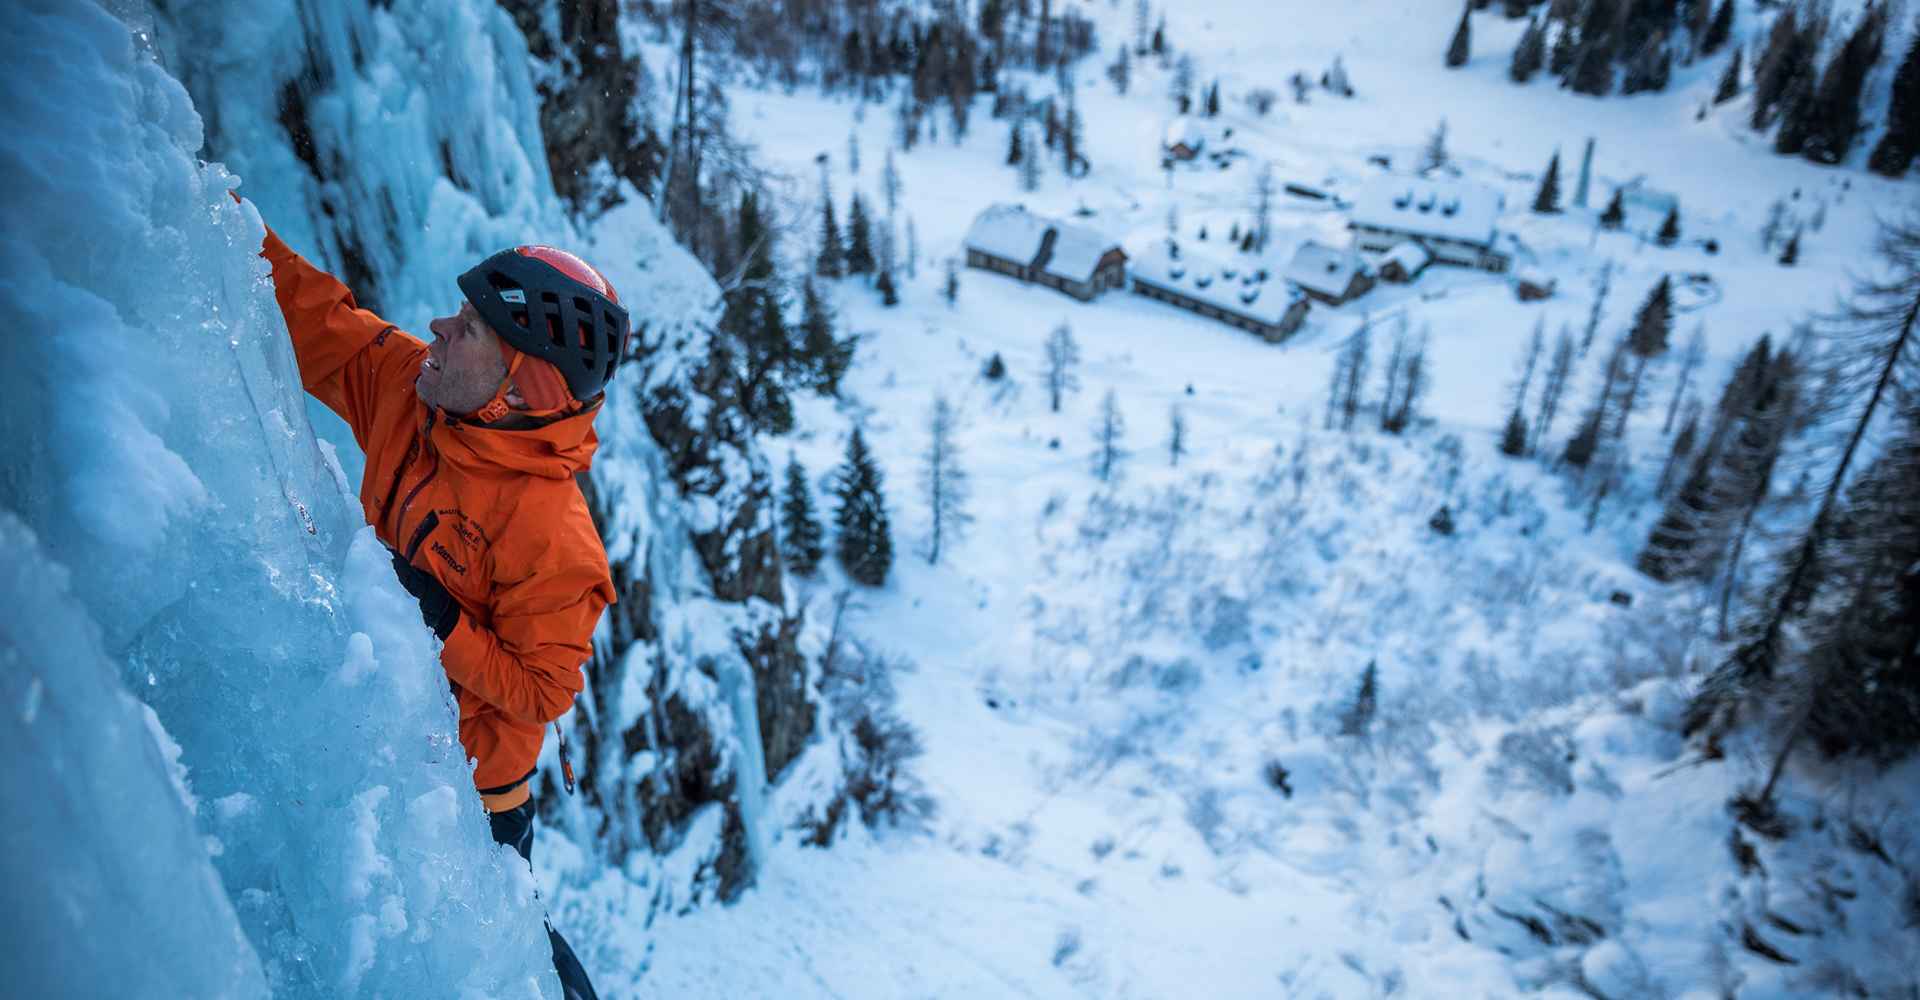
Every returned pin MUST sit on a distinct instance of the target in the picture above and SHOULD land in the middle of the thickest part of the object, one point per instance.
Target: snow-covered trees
(1349, 376)
(1406, 380)
(1530, 54)
(1821, 584)
(1895, 151)
(1555, 385)
(1513, 440)
(1357, 719)
(1109, 434)
(1062, 358)
(1615, 215)
(1434, 155)
(802, 542)
(860, 258)
(1729, 87)
(865, 542)
(943, 482)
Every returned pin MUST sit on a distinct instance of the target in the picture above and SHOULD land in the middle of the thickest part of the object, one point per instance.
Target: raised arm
(350, 359)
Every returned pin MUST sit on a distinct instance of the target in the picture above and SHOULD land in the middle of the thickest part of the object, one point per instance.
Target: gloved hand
(437, 607)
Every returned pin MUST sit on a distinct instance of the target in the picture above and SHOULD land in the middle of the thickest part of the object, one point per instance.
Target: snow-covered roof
(1411, 257)
(1447, 209)
(1077, 251)
(1232, 287)
(1534, 276)
(1009, 232)
(1324, 269)
(1183, 131)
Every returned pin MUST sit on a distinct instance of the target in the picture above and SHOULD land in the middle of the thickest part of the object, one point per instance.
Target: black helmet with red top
(552, 305)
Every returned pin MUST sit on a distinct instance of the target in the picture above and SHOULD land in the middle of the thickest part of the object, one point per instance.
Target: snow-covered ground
(1103, 676)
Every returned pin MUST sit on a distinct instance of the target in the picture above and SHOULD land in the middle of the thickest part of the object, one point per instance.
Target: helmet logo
(514, 295)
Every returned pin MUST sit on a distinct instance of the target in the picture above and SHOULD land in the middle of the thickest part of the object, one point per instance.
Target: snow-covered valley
(1295, 711)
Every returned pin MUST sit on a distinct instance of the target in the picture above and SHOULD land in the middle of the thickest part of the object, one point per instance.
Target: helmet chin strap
(498, 407)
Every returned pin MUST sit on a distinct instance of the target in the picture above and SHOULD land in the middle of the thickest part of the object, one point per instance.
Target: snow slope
(1105, 674)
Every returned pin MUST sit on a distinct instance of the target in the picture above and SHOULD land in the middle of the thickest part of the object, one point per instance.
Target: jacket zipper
(400, 515)
(427, 524)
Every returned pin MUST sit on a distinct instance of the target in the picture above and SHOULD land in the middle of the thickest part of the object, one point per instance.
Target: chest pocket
(455, 550)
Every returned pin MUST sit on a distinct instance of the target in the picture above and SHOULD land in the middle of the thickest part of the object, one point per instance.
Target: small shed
(1531, 285)
(1328, 274)
(1183, 140)
(1404, 263)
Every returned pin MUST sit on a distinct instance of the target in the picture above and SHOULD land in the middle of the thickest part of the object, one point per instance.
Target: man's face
(463, 367)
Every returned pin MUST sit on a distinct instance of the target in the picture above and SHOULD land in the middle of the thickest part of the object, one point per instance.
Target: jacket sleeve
(350, 359)
(527, 662)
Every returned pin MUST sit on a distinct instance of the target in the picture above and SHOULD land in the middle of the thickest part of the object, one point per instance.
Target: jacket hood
(558, 450)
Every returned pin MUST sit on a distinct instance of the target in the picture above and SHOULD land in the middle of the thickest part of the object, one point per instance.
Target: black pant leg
(514, 828)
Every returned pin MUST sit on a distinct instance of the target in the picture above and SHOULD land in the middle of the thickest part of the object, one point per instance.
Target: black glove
(437, 607)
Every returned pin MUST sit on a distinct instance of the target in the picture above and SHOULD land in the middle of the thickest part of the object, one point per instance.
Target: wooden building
(1328, 274)
(1010, 240)
(1455, 221)
(1244, 298)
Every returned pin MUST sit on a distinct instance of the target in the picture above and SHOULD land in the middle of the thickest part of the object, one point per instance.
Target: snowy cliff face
(396, 145)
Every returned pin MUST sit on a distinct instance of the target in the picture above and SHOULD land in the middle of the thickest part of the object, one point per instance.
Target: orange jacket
(494, 515)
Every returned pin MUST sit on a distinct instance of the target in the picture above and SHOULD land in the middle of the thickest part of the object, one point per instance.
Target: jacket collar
(557, 450)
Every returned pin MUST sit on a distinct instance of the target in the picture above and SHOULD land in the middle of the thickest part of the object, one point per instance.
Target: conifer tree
(1063, 357)
(1213, 100)
(1682, 449)
(1358, 717)
(1675, 547)
(1593, 71)
(951, 292)
(1586, 441)
(1719, 30)
(832, 260)
(1547, 200)
(1864, 654)
(1790, 254)
(1784, 58)
(1565, 52)
(1398, 413)
(825, 358)
(802, 541)
(1896, 149)
(1555, 385)
(865, 542)
(859, 238)
(943, 482)
(1690, 362)
(1016, 142)
(1109, 432)
(1870, 362)
(1730, 81)
(1530, 54)
(1615, 215)
(1176, 435)
(1602, 289)
(1652, 329)
(1513, 441)
(1670, 229)
(889, 296)
(1350, 373)
(1833, 115)
(1461, 46)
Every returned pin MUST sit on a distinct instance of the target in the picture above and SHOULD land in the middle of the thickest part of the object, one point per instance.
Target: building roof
(1317, 267)
(1442, 208)
(1009, 232)
(1229, 287)
(1077, 251)
(1183, 131)
(1411, 257)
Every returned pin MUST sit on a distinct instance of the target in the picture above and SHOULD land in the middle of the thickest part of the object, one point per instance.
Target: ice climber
(472, 444)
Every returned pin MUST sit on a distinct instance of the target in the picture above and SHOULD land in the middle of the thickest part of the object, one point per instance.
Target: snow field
(1104, 675)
